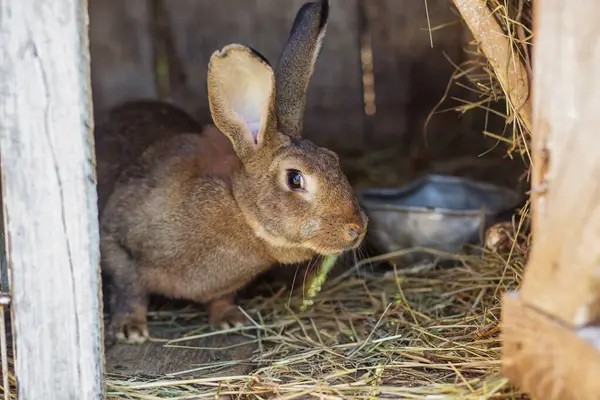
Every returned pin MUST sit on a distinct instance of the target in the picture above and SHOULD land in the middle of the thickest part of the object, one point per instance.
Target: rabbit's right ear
(296, 64)
(241, 96)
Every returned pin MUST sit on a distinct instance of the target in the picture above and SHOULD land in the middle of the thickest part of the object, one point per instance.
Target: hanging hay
(498, 85)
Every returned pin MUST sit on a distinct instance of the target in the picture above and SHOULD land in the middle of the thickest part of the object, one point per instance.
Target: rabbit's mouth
(333, 251)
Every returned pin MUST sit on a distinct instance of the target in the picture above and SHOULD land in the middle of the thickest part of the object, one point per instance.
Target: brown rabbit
(198, 216)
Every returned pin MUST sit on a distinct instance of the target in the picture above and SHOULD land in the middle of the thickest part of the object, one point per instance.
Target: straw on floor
(422, 332)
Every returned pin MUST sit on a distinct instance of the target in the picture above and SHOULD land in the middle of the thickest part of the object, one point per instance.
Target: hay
(426, 332)
(478, 77)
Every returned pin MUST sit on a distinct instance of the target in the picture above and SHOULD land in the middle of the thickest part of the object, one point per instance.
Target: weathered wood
(411, 71)
(563, 276)
(50, 199)
(334, 109)
(562, 279)
(122, 52)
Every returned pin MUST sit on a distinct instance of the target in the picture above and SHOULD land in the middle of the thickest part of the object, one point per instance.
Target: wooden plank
(563, 276)
(121, 46)
(562, 279)
(50, 198)
(334, 110)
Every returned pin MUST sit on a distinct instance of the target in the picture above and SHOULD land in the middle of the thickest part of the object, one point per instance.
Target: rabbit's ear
(241, 96)
(296, 65)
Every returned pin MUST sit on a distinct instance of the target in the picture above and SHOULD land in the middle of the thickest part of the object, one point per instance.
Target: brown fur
(127, 131)
(199, 216)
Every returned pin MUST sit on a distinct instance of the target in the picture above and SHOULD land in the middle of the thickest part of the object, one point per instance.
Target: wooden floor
(228, 354)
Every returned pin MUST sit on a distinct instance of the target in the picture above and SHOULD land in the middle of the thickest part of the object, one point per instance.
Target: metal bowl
(436, 212)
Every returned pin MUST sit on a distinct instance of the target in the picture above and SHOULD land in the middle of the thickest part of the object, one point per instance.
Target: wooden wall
(410, 76)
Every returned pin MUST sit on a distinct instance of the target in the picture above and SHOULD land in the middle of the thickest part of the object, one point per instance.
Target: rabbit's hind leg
(224, 313)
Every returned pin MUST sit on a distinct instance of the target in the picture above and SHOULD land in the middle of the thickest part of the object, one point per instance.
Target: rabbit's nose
(353, 231)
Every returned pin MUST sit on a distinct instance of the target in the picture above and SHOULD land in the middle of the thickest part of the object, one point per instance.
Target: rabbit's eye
(295, 180)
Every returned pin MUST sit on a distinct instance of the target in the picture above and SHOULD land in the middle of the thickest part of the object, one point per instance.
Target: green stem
(315, 286)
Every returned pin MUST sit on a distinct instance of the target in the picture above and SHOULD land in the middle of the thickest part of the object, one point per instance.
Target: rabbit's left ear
(241, 95)
(297, 62)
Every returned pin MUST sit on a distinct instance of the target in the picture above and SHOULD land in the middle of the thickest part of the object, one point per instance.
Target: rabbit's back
(175, 179)
(127, 131)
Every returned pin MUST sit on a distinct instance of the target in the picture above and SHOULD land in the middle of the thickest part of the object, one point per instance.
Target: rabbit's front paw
(131, 331)
(224, 314)
(133, 334)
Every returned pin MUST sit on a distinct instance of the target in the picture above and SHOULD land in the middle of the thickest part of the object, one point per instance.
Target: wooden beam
(47, 160)
(563, 276)
(559, 298)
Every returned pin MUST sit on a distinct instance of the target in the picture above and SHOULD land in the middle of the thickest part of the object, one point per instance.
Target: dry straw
(425, 333)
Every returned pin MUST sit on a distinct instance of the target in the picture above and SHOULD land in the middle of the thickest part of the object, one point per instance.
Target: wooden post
(48, 177)
(551, 339)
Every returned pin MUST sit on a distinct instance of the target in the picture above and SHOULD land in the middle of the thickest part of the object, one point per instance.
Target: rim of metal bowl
(512, 196)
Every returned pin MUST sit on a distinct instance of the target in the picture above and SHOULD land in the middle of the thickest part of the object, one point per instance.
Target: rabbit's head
(292, 192)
